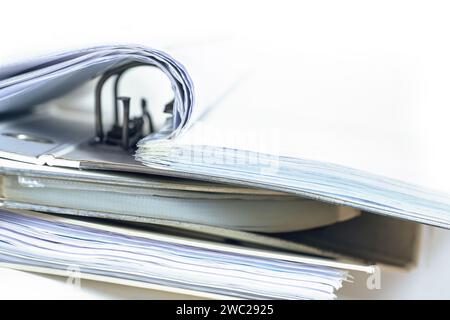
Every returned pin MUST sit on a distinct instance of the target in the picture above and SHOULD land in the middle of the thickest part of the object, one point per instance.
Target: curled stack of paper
(25, 84)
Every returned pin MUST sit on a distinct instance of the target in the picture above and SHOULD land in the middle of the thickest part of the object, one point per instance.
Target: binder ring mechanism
(130, 131)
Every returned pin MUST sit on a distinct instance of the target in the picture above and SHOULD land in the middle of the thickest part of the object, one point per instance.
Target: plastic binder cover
(200, 209)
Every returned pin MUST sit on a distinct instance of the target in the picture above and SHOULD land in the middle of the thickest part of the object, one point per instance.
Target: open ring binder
(57, 161)
(132, 130)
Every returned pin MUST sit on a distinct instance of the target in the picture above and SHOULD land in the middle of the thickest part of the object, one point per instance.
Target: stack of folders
(162, 198)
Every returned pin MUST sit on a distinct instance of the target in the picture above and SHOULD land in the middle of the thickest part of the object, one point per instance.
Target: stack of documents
(229, 196)
(45, 242)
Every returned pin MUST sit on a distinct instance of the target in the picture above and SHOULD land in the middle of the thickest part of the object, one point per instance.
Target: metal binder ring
(99, 133)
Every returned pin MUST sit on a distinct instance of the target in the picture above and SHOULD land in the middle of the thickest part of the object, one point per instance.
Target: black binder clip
(130, 131)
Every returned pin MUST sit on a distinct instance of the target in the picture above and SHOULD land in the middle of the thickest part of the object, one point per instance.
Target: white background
(408, 38)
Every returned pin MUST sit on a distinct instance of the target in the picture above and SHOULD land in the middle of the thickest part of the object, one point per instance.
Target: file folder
(115, 166)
